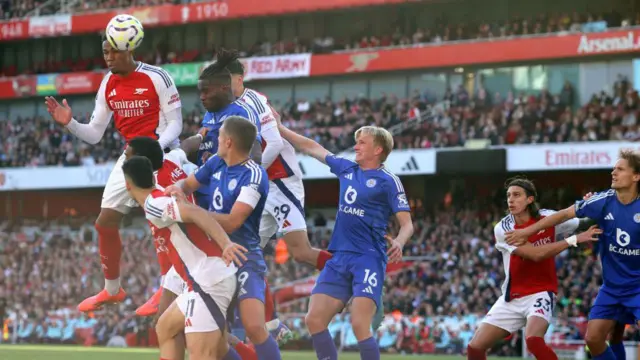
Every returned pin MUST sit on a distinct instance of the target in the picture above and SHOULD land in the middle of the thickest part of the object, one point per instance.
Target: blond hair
(381, 137)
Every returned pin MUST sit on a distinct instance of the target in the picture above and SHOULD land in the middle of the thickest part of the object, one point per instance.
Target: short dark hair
(242, 131)
(236, 67)
(140, 171)
(529, 189)
(218, 70)
(149, 148)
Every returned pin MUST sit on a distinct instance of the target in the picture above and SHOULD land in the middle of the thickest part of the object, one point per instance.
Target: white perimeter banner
(50, 25)
(277, 67)
(400, 162)
(569, 156)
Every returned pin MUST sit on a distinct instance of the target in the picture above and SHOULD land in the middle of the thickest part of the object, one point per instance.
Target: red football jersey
(192, 253)
(170, 173)
(138, 102)
(526, 277)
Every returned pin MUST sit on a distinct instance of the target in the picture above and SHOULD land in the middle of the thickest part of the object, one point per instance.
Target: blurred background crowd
(451, 277)
(452, 272)
(422, 121)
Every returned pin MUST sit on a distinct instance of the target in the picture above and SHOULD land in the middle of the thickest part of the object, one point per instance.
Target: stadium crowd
(443, 294)
(422, 121)
(440, 31)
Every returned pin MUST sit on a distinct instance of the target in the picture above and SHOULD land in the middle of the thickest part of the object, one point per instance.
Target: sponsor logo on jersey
(171, 211)
(129, 108)
(267, 119)
(174, 99)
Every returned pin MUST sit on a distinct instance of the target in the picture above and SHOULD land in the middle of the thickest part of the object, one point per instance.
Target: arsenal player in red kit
(530, 287)
(143, 101)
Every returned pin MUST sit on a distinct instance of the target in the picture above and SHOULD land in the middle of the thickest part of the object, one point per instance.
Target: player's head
(214, 83)
(138, 173)
(626, 171)
(236, 134)
(522, 196)
(373, 142)
(236, 69)
(118, 62)
(147, 147)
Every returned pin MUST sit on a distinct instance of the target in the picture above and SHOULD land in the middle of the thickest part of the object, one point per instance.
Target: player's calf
(596, 337)
(300, 248)
(110, 247)
(205, 345)
(534, 332)
(484, 338)
(322, 308)
(171, 324)
(362, 311)
(252, 315)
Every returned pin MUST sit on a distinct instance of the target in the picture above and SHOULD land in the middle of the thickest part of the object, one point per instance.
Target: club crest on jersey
(232, 184)
(636, 218)
(140, 91)
(371, 183)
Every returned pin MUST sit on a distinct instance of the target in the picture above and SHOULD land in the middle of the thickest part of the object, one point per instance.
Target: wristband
(200, 136)
(572, 240)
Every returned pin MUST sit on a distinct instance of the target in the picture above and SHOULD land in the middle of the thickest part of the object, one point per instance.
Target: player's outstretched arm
(173, 129)
(304, 144)
(539, 253)
(272, 138)
(520, 236)
(90, 133)
(200, 217)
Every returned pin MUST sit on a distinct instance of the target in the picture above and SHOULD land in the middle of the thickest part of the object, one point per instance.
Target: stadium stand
(441, 32)
(422, 121)
(442, 299)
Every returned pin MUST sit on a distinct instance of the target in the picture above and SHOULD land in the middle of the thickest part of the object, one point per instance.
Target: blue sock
(619, 351)
(606, 355)
(324, 346)
(232, 355)
(369, 349)
(268, 350)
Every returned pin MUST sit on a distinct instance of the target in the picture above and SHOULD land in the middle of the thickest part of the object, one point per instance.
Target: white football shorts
(115, 195)
(202, 309)
(512, 316)
(173, 282)
(284, 209)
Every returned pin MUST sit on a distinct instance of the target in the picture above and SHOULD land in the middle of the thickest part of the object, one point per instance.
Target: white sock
(112, 286)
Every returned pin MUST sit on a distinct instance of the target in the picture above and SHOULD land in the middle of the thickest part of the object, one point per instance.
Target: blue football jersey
(620, 240)
(246, 182)
(213, 121)
(367, 199)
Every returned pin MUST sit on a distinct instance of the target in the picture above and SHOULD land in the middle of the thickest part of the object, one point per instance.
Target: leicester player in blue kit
(239, 188)
(217, 97)
(369, 195)
(617, 212)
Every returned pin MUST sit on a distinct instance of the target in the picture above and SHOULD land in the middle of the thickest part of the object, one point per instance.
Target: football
(124, 32)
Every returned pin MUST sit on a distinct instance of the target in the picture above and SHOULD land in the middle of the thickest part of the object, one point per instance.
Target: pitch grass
(46, 352)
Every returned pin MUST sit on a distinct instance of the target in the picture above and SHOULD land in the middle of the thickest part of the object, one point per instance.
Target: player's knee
(108, 218)
(255, 329)
(593, 339)
(361, 324)
(314, 323)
